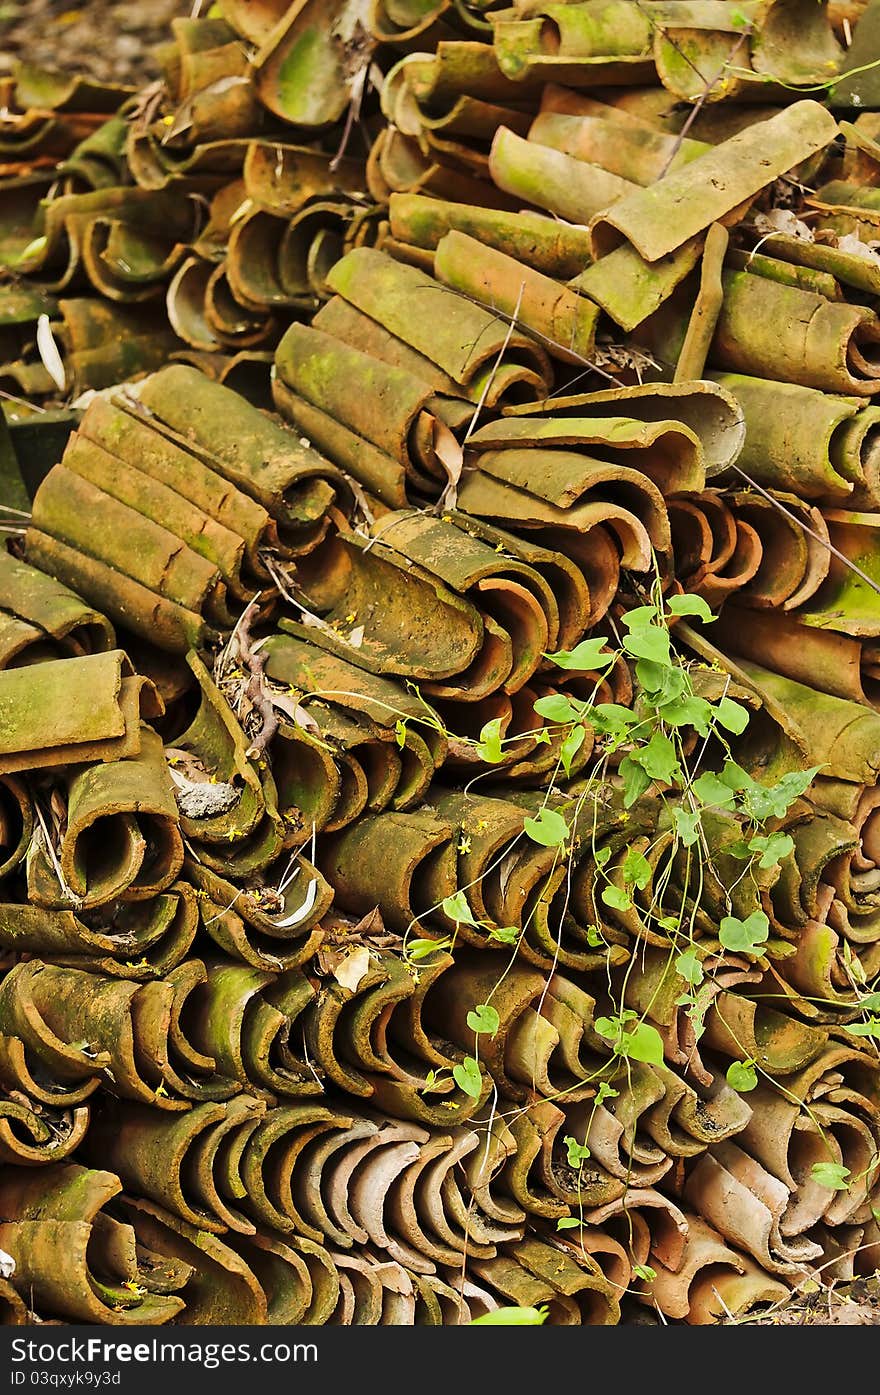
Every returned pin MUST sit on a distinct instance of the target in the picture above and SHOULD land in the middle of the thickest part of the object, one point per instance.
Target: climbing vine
(716, 822)
(717, 826)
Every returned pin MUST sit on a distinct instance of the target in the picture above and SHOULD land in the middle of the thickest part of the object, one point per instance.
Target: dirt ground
(107, 39)
(855, 1304)
(110, 40)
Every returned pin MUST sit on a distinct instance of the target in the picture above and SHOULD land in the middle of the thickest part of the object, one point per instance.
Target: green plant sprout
(656, 748)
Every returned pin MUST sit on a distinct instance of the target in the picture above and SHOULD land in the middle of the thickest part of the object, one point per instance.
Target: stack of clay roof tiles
(378, 352)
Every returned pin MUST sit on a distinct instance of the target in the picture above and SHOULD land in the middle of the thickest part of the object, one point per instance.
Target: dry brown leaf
(370, 924)
(288, 704)
(506, 870)
(48, 351)
(451, 457)
(782, 220)
(352, 968)
(854, 247)
(360, 499)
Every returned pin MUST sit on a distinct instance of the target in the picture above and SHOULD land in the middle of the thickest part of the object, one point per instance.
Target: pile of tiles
(411, 345)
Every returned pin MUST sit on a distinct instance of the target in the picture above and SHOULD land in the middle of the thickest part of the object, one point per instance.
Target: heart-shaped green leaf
(831, 1175)
(690, 605)
(713, 792)
(689, 967)
(687, 824)
(484, 1018)
(489, 744)
(635, 780)
(773, 847)
(658, 759)
(744, 936)
(468, 1077)
(644, 1043)
(505, 934)
(572, 743)
(555, 707)
(457, 908)
(577, 1153)
(636, 869)
(651, 643)
(742, 1076)
(616, 898)
(548, 828)
(588, 655)
(732, 715)
(421, 949)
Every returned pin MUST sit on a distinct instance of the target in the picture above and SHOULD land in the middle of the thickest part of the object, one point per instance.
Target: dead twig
(255, 663)
(698, 105)
(824, 542)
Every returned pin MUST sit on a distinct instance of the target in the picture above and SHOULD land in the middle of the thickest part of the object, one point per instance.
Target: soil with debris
(109, 40)
(855, 1304)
